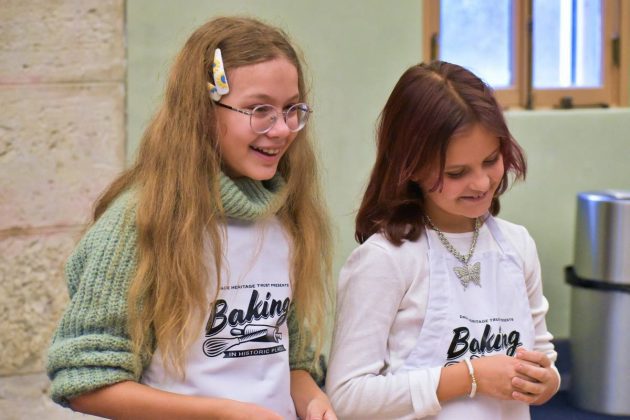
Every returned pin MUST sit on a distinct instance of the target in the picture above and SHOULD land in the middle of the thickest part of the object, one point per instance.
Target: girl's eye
(455, 175)
(492, 160)
(295, 108)
(262, 111)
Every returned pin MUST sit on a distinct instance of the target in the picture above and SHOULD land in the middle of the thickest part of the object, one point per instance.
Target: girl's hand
(319, 408)
(537, 381)
(310, 401)
(248, 411)
(495, 374)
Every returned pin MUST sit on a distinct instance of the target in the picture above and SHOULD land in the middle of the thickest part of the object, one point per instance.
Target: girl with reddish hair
(440, 309)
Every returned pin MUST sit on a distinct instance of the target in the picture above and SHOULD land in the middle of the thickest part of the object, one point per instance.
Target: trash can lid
(602, 236)
(605, 195)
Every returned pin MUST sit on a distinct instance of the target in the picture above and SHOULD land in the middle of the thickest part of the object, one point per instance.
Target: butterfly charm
(467, 274)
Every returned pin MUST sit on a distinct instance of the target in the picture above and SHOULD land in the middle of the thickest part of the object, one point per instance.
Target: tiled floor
(560, 408)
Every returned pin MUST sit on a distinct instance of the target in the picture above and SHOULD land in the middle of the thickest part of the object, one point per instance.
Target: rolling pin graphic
(215, 346)
(271, 333)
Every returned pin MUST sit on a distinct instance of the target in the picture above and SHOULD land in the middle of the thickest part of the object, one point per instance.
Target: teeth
(271, 152)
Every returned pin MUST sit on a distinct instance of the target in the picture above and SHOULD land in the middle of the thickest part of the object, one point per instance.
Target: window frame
(614, 89)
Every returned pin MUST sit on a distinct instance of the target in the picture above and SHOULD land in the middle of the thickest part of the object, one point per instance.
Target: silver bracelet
(471, 371)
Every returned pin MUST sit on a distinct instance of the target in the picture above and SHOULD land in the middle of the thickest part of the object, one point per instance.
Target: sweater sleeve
(91, 346)
(303, 360)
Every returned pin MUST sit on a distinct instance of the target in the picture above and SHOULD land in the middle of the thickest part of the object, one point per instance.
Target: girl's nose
(279, 129)
(481, 182)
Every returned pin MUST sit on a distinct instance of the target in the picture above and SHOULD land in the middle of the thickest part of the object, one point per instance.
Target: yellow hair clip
(220, 86)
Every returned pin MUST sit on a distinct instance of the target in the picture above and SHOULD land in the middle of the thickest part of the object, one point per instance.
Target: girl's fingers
(536, 357)
(526, 391)
(524, 386)
(536, 373)
(330, 416)
(526, 398)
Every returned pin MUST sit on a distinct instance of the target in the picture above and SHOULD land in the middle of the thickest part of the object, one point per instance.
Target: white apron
(475, 322)
(243, 351)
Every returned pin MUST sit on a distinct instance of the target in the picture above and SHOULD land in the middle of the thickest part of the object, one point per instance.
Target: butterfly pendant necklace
(466, 274)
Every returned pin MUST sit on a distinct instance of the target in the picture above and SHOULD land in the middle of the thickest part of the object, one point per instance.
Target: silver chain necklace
(465, 274)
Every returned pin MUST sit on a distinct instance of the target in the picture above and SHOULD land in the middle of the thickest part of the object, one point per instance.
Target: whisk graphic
(215, 346)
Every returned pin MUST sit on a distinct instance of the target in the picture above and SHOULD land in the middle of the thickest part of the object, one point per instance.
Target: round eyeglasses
(262, 118)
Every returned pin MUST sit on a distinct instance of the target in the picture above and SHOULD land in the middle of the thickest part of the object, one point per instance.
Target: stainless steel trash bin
(600, 303)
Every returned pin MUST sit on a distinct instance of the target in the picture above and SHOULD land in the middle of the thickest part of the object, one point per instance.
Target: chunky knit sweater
(91, 347)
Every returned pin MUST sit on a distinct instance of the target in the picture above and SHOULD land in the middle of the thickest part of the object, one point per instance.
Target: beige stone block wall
(62, 140)
(60, 146)
(53, 41)
(25, 397)
(33, 293)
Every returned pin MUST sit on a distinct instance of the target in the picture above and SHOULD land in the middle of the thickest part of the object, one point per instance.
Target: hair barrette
(220, 86)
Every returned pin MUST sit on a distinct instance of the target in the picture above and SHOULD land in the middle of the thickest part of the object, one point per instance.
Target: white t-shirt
(381, 305)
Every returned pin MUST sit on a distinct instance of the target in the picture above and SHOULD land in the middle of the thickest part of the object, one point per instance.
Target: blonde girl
(200, 289)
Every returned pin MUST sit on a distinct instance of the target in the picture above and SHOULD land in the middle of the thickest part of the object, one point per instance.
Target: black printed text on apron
(260, 323)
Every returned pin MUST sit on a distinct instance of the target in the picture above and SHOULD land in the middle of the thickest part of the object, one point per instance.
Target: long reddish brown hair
(429, 105)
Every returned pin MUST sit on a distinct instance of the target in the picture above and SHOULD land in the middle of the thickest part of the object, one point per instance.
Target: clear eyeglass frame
(263, 117)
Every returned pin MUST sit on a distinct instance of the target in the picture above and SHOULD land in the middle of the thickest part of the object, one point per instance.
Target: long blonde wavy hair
(176, 175)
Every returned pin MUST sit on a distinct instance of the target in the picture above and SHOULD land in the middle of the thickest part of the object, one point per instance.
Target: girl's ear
(415, 183)
(418, 177)
(414, 189)
(221, 127)
(425, 179)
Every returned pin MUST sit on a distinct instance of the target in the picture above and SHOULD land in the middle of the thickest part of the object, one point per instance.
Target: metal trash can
(600, 303)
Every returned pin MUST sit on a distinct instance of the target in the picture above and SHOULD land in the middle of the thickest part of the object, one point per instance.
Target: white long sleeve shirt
(381, 305)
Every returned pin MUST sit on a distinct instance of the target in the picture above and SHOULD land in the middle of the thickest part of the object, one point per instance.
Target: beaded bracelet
(471, 371)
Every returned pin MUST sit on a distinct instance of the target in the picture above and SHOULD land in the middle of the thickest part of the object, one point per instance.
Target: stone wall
(62, 140)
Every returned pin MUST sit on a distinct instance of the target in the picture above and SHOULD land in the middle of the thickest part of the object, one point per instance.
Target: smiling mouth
(266, 151)
(475, 197)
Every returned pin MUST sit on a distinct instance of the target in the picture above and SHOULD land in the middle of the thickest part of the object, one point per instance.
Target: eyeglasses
(262, 118)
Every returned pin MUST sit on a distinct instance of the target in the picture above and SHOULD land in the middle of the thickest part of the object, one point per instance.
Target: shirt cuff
(423, 385)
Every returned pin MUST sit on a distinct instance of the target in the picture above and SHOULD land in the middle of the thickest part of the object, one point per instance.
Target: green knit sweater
(91, 346)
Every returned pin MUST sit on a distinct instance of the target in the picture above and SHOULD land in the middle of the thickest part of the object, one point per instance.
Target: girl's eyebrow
(451, 167)
(497, 150)
(266, 98)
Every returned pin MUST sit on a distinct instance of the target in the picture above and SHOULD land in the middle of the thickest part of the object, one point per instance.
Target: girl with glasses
(440, 309)
(200, 288)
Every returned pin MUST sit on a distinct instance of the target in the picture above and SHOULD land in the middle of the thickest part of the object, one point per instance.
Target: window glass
(478, 35)
(567, 43)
